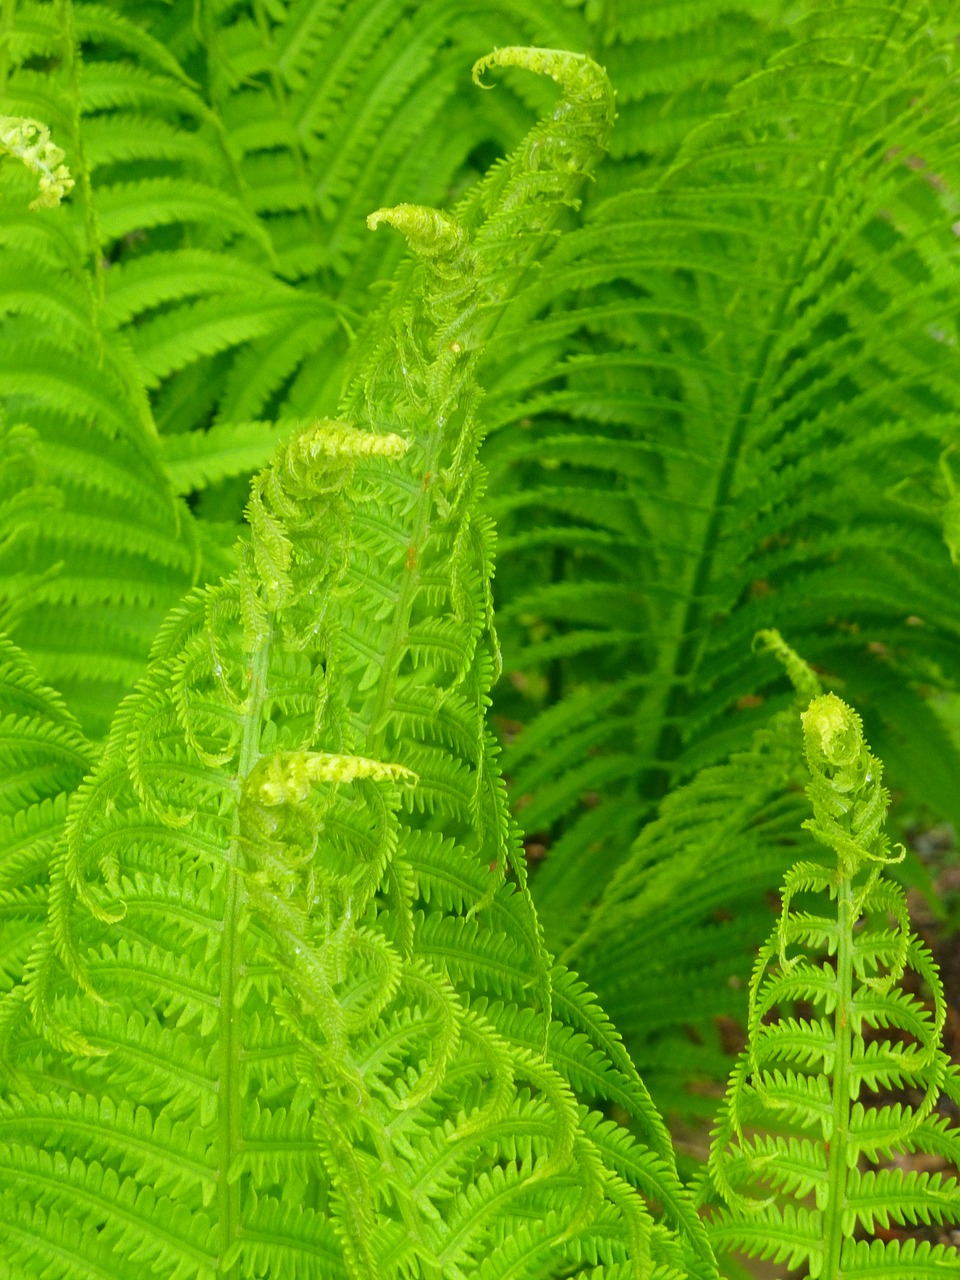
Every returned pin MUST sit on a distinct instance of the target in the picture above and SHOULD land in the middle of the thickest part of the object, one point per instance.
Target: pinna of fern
(810, 1114)
(45, 756)
(45, 753)
(290, 1013)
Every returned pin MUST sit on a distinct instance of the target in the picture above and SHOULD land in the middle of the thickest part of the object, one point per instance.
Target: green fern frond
(45, 757)
(816, 1080)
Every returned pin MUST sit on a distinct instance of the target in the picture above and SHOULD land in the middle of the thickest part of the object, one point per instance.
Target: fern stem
(228, 1191)
(837, 1167)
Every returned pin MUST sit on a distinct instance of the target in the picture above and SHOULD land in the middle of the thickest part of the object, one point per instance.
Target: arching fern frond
(290, 919)
(810, 1115)
(332, 110)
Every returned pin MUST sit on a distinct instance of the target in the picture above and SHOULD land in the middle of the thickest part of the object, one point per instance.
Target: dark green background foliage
(316, 836)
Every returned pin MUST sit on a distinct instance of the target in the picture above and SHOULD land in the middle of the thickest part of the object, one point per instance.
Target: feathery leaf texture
(45, 758)
(693, 896)
(239, 156)
(121, 550)
(292, 1013)
(803, 1155)
(758, 321)
(221, 154)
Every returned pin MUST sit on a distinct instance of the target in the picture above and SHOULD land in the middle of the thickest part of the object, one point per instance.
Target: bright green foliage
(44, 752)
(673, 65)
(698, 468)
(29, 142)
(732, 420)
(121, 550)
(221, 153)
(802, 1154)
(718, 839)
(45, 757)
(281, 998)
(292, 1014)
(261, 145)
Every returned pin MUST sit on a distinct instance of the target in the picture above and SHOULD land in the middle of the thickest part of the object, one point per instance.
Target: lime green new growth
(29, 142)
(291, 1014)
(807, 1117)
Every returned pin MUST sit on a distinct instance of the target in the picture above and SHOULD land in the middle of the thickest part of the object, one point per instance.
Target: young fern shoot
(812, 1112)
(29, 142)
(292, 1015)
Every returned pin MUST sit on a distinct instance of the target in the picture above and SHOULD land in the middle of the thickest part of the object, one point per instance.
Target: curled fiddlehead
(29, 142)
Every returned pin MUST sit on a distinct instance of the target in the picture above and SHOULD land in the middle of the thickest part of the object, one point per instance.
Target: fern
(102, 576)
(717, 838)
(45, 757)
(673, 65)
(192, 217)
(808, 1116)
(29, 142)
(292, 1011)
(327, 111)
(279, 998)
(719, 434)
